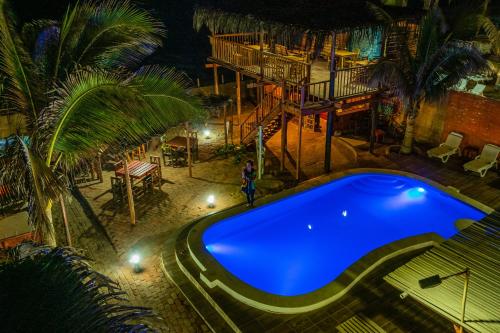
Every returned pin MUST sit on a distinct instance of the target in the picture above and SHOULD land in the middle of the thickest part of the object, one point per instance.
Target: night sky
(184, 48)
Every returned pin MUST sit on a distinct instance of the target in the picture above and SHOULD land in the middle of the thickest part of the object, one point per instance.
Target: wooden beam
(225, 128)
(261, 47)
(188, 144)
(284, 127)
(373, 126)
(65, 220)
(211, 65)
(299, 147)
(331, 96)
(130, 195)
(216, 81)
(238, 96)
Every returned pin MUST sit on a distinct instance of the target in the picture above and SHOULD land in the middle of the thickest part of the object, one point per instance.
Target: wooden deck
(476, 247)
(241, 52)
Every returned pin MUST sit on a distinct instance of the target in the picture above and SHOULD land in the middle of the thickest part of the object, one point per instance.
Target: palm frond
(431, 35)
(379, 13)
(492, 32)
(94, 109)
(40, 38)
(107, 34)
(20, 86)
(445, 68)
(28, 177)
(390, 75)
(56, 290)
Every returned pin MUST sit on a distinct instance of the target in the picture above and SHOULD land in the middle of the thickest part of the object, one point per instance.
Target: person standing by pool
(248, 176)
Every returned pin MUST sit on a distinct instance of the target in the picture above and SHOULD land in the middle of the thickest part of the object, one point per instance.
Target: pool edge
(214, 275)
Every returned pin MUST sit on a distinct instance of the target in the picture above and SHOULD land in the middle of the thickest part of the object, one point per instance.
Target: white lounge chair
(461, 85)
(485, 161)
(448, 148)
(478, 89)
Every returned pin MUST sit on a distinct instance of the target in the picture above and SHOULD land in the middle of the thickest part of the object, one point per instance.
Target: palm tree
(80, 88)
(469, 18)
(438, 64)
(55, 290)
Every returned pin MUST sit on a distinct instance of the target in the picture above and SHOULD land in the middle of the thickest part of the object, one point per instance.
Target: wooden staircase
(305, 99)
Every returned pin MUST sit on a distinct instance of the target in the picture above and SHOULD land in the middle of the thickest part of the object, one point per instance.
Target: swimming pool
(313, 242)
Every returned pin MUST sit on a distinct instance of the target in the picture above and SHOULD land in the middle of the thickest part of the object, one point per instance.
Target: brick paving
(110, 239)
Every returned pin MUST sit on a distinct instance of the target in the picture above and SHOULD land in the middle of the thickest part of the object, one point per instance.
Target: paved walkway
(183, 199)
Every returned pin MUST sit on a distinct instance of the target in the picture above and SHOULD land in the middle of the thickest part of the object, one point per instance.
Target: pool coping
(213, 274)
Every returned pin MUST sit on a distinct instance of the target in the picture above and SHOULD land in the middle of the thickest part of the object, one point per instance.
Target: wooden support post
(130, 195)
(299, 147)
(216, 81)
(238, 96)
(99, 168)
(225, 128)
(373, 125)
(65, 220)
(328, 141)
(261, 47)
(284, 126)
(331, 96)
(188, 143)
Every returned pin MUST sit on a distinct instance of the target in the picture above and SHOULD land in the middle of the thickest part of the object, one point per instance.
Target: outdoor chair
(166, 153)
(461, 85)
(118, 190)
(478, 89)
(281, 49)
(482, 163)
(448, 148)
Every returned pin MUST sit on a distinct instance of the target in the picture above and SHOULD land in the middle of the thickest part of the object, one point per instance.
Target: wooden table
(342, 54)
(257, 47)
(139, 170)
(181, 142)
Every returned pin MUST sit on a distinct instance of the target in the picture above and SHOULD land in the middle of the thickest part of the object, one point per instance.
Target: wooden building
(306, 62)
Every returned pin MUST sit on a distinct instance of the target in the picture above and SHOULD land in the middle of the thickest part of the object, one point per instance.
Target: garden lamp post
(435, 280)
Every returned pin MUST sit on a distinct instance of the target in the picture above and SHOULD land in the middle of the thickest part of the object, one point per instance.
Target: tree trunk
(49, 235)
(407, 146)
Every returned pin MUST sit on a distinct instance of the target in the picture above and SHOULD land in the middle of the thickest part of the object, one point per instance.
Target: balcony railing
(243, 51)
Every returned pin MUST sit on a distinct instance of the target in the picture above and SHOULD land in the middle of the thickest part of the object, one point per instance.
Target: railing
(348, 82)
(311, 92)
(352, 81)
(243, 51)
(270, 102)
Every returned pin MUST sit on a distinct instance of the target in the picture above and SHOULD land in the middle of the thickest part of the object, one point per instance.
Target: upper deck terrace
(255, 55)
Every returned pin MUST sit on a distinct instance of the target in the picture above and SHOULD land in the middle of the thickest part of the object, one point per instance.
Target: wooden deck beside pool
(476, 248)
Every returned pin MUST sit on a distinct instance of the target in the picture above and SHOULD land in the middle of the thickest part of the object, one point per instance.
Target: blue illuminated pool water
(303, 242)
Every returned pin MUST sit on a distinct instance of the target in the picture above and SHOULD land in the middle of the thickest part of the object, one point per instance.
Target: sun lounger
(485, 161)
(461, 85)
(448, 148)
(478, 89)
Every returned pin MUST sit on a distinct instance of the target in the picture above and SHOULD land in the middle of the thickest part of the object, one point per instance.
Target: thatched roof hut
(278, 17)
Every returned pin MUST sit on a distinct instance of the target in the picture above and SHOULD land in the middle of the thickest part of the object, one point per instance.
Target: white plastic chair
(478, 89)
(482, 163)
(461, 85)
(448, 148)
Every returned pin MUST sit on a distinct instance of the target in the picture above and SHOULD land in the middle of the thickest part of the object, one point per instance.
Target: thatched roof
(291, 16)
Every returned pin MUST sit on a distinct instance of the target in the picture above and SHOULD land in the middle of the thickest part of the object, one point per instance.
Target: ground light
(211, 201)
(436, 280)
(206, 134)
(135, 260)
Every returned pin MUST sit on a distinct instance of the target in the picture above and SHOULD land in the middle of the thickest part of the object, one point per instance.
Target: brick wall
(476, 117)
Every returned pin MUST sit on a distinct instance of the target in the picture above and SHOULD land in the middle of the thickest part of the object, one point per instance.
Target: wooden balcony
(242, 52)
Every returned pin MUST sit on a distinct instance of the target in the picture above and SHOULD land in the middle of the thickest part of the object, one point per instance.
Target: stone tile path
(183, 199)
